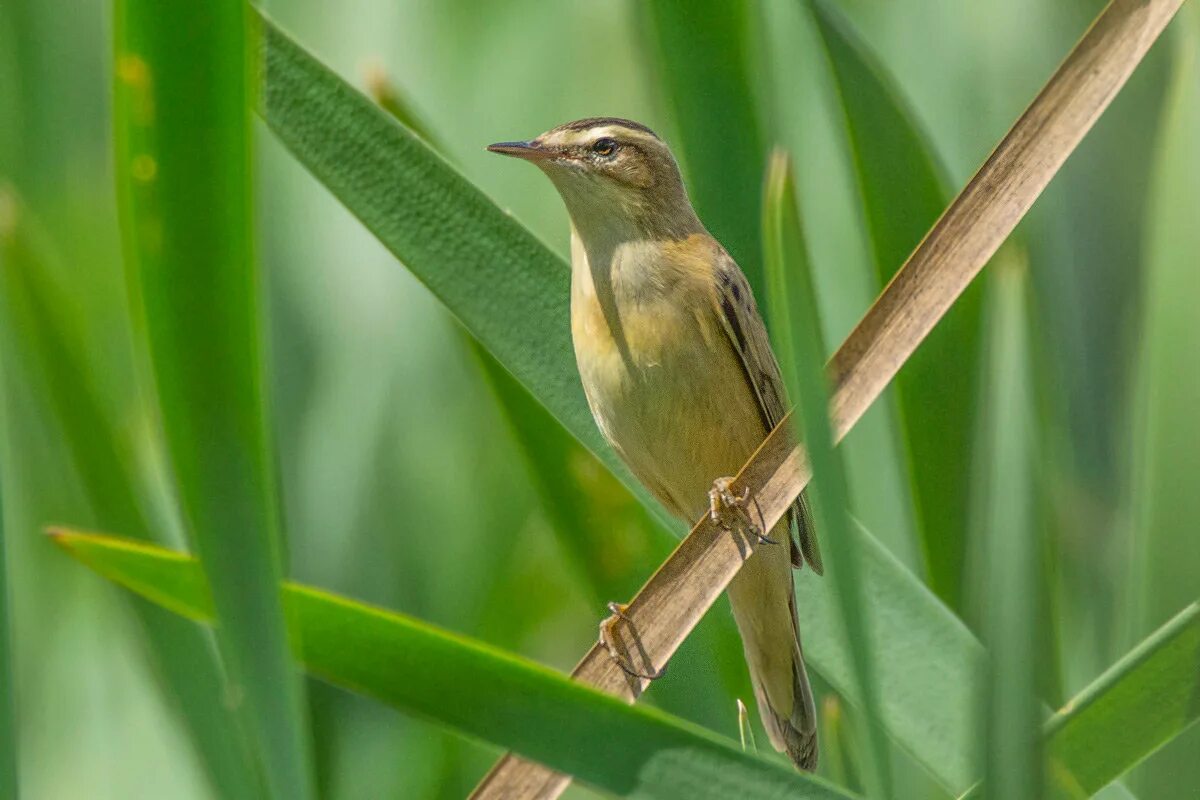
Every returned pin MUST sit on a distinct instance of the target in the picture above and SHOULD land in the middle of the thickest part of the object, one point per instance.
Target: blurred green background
(379, 399)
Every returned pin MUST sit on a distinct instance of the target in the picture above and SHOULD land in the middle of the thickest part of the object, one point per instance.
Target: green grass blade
(788, 275)
(1166, 503)
(797, 325)
(927, 664)
(1009, 571)
(1148, 698)
(8, 722)
(745, 729)
(183, 166)
(702, 52)
(902, 192)
(506, 287)
(475, 689)
(891, 155)
(43, 319)
(511, 293)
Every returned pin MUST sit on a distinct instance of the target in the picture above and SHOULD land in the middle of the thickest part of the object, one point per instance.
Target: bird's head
(612, 174)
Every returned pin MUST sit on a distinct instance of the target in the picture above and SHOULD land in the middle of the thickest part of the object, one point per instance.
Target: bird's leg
(608, 638)
(726, 508)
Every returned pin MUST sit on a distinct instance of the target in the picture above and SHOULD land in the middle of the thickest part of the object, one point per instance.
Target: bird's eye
(604, 146)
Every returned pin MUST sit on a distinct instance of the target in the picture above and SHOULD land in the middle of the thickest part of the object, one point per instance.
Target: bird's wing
(742, 323)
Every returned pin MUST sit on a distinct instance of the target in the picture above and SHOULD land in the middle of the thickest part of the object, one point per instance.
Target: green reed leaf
(797, 324)
(475, 689)
(184, 91)
(49, 333)
(902, 190)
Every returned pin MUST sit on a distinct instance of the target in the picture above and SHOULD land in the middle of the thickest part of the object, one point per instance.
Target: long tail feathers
(795, 734)
(764, 607)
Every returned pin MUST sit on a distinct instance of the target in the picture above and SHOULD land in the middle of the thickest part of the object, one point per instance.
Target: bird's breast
(664, 387)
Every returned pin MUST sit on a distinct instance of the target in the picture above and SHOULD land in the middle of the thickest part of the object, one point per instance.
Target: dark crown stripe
(595, 122)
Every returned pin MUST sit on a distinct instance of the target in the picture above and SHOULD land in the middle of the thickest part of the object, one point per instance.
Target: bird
(680, 377)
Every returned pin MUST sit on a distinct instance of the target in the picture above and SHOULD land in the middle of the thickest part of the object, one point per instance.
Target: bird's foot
(726, 508)
(608, 638)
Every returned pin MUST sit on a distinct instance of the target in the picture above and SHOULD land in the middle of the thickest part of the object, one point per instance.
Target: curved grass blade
(42, 318)
(1010, 569)
(702, 53)
(1148, 698)
(745, 729)
(183, 174)
(1166, 503)
(797, 326)
(902, 188)
(475, 689)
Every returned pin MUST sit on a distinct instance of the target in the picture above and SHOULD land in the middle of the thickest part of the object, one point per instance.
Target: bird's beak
(530, 151)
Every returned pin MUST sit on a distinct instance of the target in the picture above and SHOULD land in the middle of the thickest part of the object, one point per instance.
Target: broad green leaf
(511, 293)
(505, 287)
(8, 723)
(183, 173)
(1166, 502)
(1009, 569)
(606, 531)
(703, 52)
(482, 692)
(903, 191)
(796, 320)
(43, 321)
(1149, 697)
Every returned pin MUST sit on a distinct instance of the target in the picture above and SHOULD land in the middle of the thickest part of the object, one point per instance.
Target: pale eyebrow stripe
(595, 122)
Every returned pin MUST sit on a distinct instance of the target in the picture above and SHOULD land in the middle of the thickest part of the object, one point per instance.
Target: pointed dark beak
(530, 151)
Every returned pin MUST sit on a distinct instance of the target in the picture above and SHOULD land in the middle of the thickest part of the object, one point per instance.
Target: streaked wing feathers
(747, 334)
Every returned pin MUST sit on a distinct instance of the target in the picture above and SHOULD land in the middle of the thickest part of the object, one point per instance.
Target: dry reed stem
(982, 216)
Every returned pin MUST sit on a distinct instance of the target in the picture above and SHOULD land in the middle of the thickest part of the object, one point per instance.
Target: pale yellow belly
(673, 402)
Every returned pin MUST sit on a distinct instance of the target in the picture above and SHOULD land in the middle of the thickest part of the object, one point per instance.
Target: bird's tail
(765, 610)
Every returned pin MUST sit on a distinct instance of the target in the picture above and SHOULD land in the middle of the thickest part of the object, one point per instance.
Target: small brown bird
(679, 374)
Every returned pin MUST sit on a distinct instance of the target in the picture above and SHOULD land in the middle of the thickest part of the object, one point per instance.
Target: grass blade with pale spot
(183, 98)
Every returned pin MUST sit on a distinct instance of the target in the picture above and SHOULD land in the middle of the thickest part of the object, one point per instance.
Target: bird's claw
(608, 639)
(724, 504)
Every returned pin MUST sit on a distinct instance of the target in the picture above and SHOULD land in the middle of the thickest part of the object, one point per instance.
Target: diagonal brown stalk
(954, 251)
